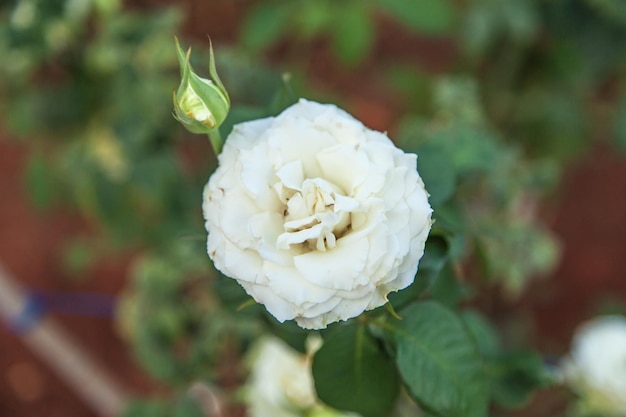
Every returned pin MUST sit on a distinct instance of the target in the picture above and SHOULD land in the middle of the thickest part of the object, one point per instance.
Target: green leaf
(439, 362)
(353, 373)
(353, 34)
(427, 16)
(485, 335)
(264, 25)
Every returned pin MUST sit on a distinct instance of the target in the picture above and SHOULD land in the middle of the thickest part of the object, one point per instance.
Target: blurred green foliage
(88, 85)
(349, 25)
(482, 186)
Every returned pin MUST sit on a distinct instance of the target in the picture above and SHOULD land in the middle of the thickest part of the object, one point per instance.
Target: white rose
(281, 382)
(596, 368)
(316, 216)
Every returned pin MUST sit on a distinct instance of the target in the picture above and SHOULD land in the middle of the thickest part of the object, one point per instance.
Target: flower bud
(201, 105)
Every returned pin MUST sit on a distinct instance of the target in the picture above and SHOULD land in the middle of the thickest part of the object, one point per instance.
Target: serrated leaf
(439, 361)
(353, 373)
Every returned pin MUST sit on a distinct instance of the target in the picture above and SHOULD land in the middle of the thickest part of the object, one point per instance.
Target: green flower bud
(201, 105)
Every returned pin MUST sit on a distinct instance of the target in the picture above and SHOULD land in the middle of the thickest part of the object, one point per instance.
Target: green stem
(216, 140)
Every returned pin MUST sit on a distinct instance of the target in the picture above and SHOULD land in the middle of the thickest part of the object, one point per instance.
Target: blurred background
(517, 111)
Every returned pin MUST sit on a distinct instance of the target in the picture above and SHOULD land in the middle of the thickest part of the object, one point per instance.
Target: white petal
(289, 284)
(244, 265)
(243, 136)
(378, 250)
(310, 142)
(347, 130)
(266, 227)
(291, 175)
(305, 221)
(335, 168)
(278, 307)
(338, 268)
(257, 172)
(293, 238)
(345, 204)
(379, 298)
(235, 210)
(322, 308)
(395, 186)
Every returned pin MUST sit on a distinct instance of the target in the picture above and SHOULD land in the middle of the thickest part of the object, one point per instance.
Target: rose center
(316, 214)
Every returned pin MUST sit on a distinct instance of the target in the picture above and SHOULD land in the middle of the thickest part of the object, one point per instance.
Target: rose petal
(321, 308)
(246, 265)
(351, 309)
(289, 285)
(291, 175)
(345, 204)
(310, 142)
(280, 308)
(243, 136)
(287, 239)
(234, 223)
(347, 130)
(338, 268)
(332, 162)
(266, 227)
(256, 172)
